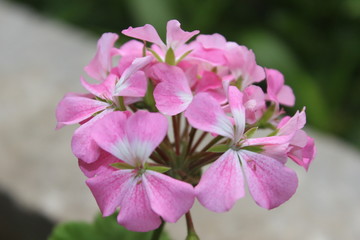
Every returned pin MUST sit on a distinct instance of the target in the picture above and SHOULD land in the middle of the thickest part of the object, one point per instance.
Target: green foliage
(219, 148)
(102, 229)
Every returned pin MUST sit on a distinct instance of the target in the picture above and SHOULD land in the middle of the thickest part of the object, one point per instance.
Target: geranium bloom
(270, 182)
(143, 195)
(175, 38)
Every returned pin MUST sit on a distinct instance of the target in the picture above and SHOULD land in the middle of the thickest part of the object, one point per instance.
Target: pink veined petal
(270, 182)
(101, 64)
(100, 166)
(82, 144)
(299, 139)
(110, 135)
(206, 114)
(175, 36)
(126, 78)
(273, 140)
(169, 198)
(135, 86)
(222, 184)
(135, 212)
(286, 96)
(145, 131)
(293, 124)
(172, 94)
(110, 189)
(276, 151)
(237, 110)
(74, 108)
(147, 33)
(254, 103)
(102, 90)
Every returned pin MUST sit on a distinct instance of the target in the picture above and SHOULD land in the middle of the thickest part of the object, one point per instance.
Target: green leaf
(257, 149)
(160, 169)
(249, 133)
(219, 148)
(102, 229)
(170, 57)
(122, 165)
(273, 133)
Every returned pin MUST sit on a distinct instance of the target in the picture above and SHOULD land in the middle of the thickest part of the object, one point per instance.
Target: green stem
(201, 138)
(175, 123)
(121, 103)
(190, 228)
(157, 232)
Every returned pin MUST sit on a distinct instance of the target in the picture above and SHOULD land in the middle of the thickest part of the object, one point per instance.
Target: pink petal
(74, 108)
(206, 114)
(131, 48)
(145, 131)
(275, 81)
(103, 90)
(254, 103)
(126, 79)
(169, 198)
(101, 64)
(213, 41)
(172, 95)
(293, 124)
(110, 189)
(100, 166)
(267, 140)
(110, 135)
(135, 86)
(270, 182)
(286, 96)
(175, 36)
(146, 33)
(237, 110)
(82, 144)
(209, 81)
(304, 156)
(136, 213)
(222, 184)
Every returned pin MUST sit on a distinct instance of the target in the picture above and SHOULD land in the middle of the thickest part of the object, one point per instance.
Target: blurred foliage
(314, 43)
(102, 229)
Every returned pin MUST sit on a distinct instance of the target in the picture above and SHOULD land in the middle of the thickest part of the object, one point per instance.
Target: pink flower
(276, 90)
(75, 108)
(144, 195)
(301, 147)
(269, 181)
(175, 38)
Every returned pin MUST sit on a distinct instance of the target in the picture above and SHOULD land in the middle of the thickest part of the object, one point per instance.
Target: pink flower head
(143, 195)
(276, 90)
(175, 37)
(270, 182)
(301, 147)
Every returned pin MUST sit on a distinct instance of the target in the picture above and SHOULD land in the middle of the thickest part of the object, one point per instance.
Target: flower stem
(157, 232)
(175, 122)
(190, 228)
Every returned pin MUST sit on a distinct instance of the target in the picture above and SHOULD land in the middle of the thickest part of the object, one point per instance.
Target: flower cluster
(216, 98)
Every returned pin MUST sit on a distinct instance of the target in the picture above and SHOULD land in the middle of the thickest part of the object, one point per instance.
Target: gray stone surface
(40, 60)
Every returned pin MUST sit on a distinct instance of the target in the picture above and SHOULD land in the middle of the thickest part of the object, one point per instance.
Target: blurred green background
(314, 43)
